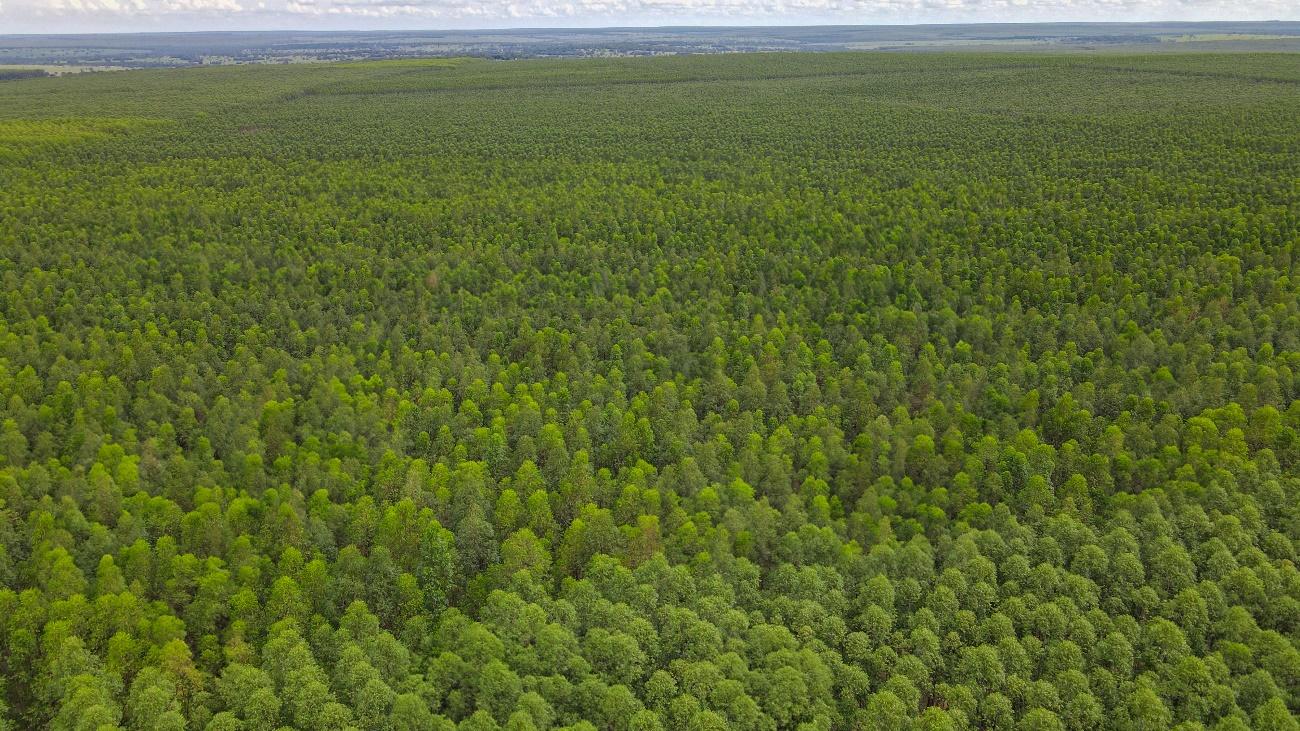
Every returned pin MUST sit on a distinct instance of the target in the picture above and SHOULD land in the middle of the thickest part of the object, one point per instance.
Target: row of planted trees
(474, 397)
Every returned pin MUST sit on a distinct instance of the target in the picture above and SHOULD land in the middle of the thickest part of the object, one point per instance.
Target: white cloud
(53, 16)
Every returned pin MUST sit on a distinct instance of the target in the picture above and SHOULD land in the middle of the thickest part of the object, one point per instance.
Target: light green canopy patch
(18, 135)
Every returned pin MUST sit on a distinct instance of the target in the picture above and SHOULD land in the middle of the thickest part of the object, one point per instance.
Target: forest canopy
(824, 391)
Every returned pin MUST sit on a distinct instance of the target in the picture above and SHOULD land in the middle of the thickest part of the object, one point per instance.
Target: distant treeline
(14, 74)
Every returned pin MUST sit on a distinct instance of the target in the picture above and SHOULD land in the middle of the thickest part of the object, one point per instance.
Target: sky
(116, 16)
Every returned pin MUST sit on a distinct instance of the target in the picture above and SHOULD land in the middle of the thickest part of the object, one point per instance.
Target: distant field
(1201, 37)
(58, 69)
(185, 49)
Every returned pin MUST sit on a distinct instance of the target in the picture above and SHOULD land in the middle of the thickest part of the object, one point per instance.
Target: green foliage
(830, 391)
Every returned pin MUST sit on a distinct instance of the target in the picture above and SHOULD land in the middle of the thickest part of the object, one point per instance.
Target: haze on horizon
(125, 16)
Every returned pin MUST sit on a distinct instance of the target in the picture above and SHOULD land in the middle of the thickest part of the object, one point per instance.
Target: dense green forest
(847, 391)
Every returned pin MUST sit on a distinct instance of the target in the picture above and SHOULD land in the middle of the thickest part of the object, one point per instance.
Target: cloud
(52, 16)
(136, 7)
